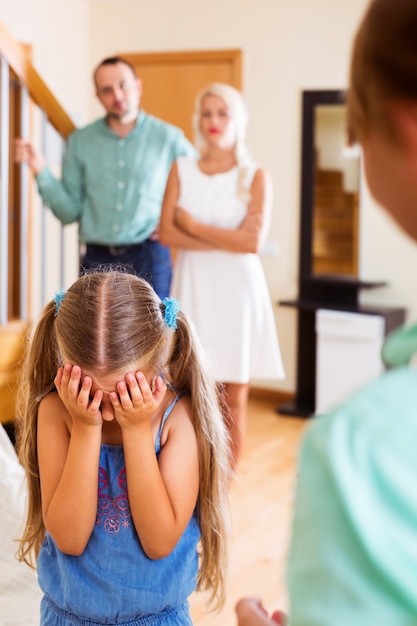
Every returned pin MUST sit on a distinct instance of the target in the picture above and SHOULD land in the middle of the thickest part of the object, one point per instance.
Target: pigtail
(189, 371)
(38, 373)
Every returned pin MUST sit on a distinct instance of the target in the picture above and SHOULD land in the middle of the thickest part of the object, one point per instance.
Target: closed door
(171, 80)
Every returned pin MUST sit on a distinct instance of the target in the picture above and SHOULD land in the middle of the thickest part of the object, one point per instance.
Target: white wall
(58, 33)
(288, 45)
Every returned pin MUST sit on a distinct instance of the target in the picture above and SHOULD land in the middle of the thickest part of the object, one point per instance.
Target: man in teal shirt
(113, 178)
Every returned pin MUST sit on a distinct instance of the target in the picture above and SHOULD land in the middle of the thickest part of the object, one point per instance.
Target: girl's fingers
(144, 387)
(96, 401)
(133, 387)
(124, 397)
(84, 394)
(58, 377)
(159, 388)
(135, 392)
(114, 399)
(74, 380)
(66, 374)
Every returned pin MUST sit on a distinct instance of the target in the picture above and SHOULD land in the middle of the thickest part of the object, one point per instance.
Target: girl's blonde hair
(238, 111)
(106, 322)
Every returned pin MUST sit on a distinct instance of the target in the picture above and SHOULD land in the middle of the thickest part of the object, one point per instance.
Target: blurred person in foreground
(353, 553)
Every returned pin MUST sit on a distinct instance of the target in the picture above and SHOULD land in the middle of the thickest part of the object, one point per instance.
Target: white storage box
(348, 354)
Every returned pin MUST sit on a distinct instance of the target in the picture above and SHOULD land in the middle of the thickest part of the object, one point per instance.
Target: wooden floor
(262, 500)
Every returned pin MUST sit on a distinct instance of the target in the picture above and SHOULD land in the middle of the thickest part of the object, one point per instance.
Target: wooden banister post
(4, 189)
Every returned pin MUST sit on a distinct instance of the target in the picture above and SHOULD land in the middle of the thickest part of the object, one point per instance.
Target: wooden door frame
(232, 56)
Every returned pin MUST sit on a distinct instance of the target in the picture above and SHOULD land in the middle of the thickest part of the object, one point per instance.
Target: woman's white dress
(225, 293)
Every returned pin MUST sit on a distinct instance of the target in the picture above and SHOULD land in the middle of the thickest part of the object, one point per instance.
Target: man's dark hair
(113, 61)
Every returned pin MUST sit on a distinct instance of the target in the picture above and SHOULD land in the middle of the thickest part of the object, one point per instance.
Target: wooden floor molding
(273, 395)
(262, 501)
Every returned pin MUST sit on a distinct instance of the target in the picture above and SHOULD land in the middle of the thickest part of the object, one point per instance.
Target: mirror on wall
(329, 188)
(336, 194)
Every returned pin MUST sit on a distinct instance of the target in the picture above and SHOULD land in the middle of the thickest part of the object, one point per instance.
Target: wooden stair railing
(19, 61)
(12, 345)
(21, 87)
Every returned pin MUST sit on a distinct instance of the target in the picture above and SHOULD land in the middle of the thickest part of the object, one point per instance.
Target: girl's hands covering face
(135, 402)
(75, 393)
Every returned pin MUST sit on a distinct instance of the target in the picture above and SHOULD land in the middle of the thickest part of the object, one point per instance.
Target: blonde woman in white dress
(216, 213)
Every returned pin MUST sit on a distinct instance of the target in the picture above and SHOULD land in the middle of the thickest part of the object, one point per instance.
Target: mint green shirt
(114, 187)
(353, 556)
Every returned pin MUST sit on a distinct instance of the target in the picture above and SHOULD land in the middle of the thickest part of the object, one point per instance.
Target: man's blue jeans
(149, 260)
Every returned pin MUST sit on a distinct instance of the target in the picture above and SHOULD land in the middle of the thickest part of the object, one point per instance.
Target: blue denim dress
(113, 581)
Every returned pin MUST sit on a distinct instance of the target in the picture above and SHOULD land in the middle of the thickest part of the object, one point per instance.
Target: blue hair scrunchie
(172, 307)
(58, 298)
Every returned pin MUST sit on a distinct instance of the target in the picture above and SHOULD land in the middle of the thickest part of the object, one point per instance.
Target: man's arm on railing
(25, 151)
(62, 197)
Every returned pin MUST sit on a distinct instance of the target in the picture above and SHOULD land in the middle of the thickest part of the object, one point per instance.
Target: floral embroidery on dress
(113, 513)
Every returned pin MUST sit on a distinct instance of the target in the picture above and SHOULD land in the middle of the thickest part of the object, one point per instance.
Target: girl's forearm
(71, 513)
(157, 524)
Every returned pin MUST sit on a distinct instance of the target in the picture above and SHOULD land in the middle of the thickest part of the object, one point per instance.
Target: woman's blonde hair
(238, 111)
(106, 322)
(383, 65)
